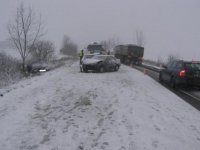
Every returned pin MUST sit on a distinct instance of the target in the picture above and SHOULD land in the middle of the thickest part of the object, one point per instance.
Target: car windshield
(193, 66)
(87, 56)
(100, 57)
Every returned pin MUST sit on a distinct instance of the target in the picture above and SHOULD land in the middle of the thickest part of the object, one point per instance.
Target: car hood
(90, 61)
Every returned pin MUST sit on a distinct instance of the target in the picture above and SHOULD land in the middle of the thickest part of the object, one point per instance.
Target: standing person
(81, 55)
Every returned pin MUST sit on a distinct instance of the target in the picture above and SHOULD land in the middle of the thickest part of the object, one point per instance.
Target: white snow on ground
(67, 110)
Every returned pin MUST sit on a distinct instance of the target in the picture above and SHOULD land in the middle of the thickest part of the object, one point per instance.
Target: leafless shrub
(43, 51)
(9, 70)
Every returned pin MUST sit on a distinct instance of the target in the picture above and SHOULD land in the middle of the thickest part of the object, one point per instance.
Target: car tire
(101, 69)
(116, 68)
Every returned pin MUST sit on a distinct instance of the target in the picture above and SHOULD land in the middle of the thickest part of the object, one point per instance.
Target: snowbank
(68, 110)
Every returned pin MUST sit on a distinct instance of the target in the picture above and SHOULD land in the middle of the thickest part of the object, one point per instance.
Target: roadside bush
(9, 70)
(43, 51)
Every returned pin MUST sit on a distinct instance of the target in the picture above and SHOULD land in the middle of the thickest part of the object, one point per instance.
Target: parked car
(181, 73)
(101, 63)
(37, 67)
(86, 56)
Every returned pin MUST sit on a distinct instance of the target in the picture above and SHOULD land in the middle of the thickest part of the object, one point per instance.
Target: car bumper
(90, 67)
(188, 82)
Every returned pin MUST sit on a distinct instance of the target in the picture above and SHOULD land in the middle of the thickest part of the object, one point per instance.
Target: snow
(125, 110)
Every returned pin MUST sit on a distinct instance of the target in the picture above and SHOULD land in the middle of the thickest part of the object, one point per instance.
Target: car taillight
(194, 62)
(182, 73)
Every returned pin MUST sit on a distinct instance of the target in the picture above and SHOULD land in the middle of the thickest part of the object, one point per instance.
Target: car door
(164, 71)
(178, 67)
(167, 72)
(110, 63)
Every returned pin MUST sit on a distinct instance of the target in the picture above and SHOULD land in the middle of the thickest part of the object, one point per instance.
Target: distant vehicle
(129, 54)
(181, 73)
(37, 68)
(96, 48)
(101, 63)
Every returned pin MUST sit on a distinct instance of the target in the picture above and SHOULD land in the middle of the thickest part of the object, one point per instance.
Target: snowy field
(67, 110)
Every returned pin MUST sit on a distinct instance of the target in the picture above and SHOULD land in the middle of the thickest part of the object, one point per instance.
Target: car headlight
(42, 70)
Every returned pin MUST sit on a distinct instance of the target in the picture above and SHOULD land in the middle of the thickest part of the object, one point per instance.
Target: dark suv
(179, 72)
(101, 63)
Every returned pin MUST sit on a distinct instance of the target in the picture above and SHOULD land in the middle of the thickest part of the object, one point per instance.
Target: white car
(100, 63)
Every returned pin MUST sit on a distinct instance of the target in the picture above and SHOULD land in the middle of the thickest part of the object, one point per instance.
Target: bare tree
(110, 43)
(140, 41)
(69, 47)
(24, 31)
(43, 51)
(160, 61)
(172, 57)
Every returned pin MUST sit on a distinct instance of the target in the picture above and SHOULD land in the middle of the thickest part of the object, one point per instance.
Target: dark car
(37, 68)
(181, 73)
(101, 63)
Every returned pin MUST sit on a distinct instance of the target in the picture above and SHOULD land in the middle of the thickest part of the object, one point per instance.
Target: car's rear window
(193, 66)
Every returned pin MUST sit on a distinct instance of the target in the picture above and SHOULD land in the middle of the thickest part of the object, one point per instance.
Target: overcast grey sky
(169, 26)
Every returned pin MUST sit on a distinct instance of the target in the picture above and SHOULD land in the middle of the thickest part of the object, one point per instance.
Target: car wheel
(101, 69)
(116, 68)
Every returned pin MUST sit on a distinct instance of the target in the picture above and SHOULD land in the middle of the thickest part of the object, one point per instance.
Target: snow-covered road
(67, 110)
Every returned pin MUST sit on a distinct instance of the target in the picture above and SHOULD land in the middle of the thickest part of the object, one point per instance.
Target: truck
(129, 54)
(96, 48)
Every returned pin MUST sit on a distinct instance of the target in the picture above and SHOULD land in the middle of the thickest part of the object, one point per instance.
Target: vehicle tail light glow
(194, 62)
(182, 73)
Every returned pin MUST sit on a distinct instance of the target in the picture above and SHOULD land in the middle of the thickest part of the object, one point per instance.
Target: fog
(169, 27)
